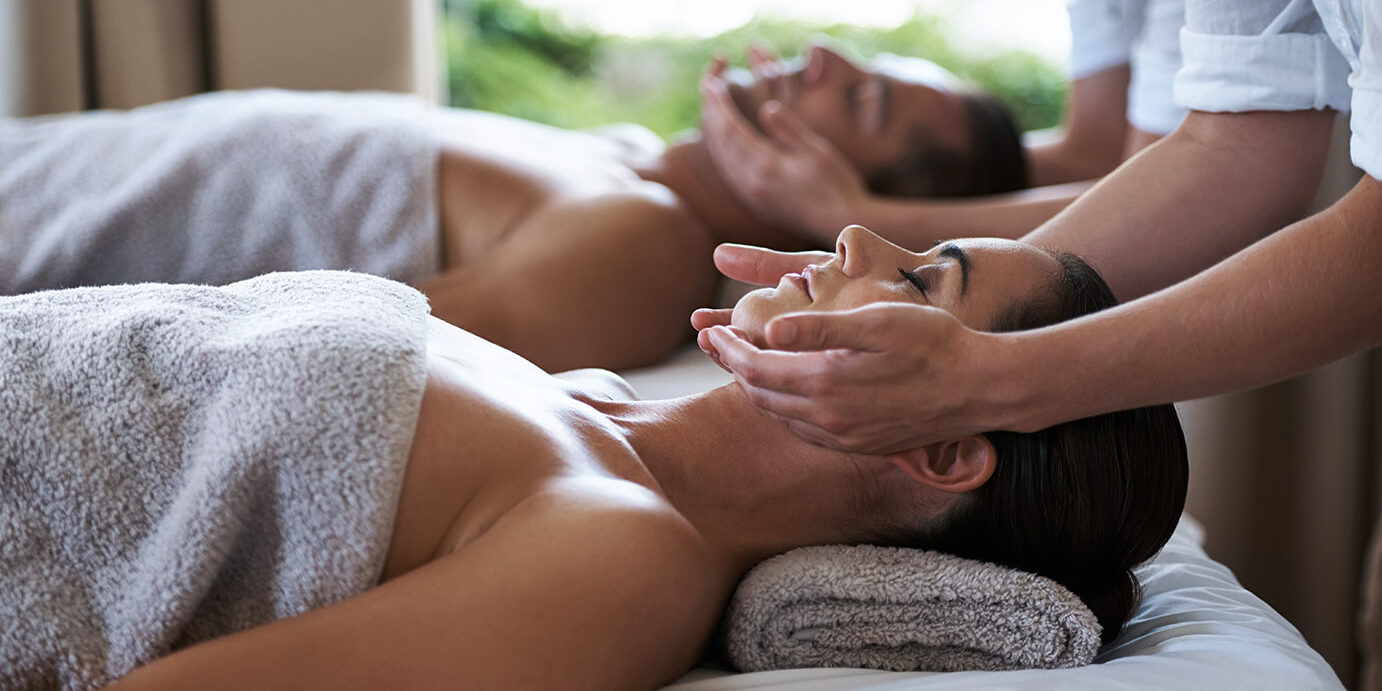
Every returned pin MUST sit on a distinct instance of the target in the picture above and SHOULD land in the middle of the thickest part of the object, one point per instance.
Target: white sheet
(1197, 628)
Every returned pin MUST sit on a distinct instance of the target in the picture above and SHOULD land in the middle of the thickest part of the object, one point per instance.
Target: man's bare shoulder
(635, 142)
(637, 203)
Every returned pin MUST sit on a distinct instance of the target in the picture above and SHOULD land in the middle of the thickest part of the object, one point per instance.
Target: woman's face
(976, 280)
(869, 113)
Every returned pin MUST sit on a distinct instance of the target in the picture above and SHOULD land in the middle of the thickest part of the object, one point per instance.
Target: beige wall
(1284, 479)
(146, 51)
(326, 44)
(40, 57)
(63, 55)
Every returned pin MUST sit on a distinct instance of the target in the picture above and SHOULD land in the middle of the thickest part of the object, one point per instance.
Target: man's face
(976, 280)
(870, 114)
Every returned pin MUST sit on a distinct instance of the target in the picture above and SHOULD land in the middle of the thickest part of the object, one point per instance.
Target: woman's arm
(562, 592)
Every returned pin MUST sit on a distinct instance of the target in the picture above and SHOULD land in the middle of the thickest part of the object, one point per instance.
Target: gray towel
(183, 462)
(902, 610)
(219, 188)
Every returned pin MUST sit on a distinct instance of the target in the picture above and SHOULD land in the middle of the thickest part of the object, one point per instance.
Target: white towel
(219, 188)
(903, 609)
(183, 462)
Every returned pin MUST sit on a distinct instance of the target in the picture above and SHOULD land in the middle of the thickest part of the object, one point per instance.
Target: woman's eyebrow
(958, 254)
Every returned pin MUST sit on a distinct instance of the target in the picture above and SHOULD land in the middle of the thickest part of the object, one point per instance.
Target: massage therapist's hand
(877, 379)
(753, 265)
(786, 174)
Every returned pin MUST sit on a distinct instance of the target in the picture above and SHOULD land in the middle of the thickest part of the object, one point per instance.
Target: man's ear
(957, 465)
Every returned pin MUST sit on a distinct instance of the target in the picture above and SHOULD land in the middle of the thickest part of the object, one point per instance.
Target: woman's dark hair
(993, 162)
(1082, 502)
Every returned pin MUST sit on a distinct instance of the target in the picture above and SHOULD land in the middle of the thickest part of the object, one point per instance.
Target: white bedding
(1197, 628)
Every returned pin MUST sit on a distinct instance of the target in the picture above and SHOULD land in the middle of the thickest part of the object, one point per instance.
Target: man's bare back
(574, 249)
(555, 248)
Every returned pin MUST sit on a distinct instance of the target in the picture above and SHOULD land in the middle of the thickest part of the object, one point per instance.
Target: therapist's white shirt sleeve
(1143, 34)
(1366, 144)
(1241, 55)
(1155, 61)
(1101, 35)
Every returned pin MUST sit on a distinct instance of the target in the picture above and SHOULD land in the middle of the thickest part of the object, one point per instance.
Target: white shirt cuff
(1150, 106)
(1365, 145)
(1223, 73)
(1099, 37)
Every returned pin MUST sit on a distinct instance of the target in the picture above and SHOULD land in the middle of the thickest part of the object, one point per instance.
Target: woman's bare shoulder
(645, 544)
(627, 577)
(612, 510)
(588, 584)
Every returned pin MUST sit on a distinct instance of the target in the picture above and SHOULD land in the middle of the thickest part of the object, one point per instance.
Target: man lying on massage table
(504, 224)
(549, 532)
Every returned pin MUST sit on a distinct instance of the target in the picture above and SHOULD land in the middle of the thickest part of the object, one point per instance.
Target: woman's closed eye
(915, 279)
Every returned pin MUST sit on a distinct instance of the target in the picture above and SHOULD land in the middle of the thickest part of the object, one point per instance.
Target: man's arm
(1215, 185)
(593, 598)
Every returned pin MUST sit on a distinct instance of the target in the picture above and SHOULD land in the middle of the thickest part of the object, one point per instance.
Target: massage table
(1196, 627)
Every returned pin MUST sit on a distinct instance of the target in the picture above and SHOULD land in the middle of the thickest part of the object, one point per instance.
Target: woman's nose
(859, 251)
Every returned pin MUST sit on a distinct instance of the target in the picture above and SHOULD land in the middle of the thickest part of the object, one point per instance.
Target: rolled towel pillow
(903, 610)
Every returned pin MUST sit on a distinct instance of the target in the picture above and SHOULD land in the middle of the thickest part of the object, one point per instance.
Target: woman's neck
(686, 168)
(750, 486)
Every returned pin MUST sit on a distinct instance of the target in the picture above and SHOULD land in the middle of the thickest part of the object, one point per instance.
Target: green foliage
(506, 57)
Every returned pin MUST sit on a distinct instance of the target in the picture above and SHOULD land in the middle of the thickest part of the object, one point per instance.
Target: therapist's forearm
(1214, 186)
(1095, 134)
(1091, 144)
(1298, 299)
(916, 224)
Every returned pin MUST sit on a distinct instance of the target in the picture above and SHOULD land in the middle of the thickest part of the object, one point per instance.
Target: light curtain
(65, 55)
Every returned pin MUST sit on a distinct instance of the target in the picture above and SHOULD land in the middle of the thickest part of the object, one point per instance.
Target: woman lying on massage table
(551, 532)
(467, 206)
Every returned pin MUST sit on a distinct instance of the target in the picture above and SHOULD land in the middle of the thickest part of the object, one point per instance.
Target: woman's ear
(957, 465)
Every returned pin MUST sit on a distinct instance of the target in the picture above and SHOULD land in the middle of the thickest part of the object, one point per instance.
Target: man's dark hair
(994, 160)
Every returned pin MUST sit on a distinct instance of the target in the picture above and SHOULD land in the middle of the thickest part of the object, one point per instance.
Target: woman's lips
(800, 282)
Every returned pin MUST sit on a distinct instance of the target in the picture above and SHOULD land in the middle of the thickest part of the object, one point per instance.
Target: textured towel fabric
(183, 462)
(903, 610)
(219, 188)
